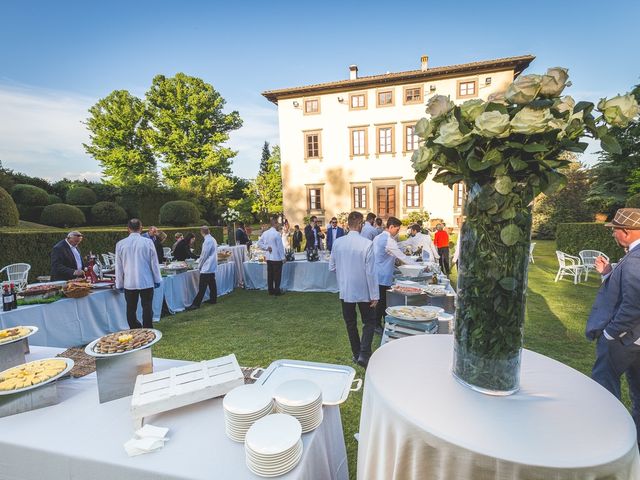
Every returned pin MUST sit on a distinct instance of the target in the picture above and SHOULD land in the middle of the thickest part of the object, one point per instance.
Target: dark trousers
(444, 260)
(146, 297)
(274, 275)
(612, 360)
(207, 280)
(381, 306)
(360, 347)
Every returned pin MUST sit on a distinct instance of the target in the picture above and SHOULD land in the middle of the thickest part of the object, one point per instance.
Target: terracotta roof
(517, 63)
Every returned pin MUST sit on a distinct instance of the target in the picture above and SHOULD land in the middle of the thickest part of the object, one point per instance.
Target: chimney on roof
(424, 60)
(353, 72)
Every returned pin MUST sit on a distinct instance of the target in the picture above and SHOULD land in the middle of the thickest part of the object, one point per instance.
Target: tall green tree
(266, 155)
(616, 176)
(190, 127)
(266, 189)
(118, 126)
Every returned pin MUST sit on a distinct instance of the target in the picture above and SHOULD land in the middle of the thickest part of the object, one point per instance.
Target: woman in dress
(183, 248)
(285, 234)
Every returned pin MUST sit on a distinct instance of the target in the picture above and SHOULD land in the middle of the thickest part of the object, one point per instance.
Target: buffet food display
(224, 255)
(412, 313)
(44, 290)
(15, 333)
(77, 289)
(123, 341)
(28, 375)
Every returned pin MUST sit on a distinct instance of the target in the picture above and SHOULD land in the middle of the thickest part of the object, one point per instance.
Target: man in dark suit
(614, 321)
(333, 232)
(66, 260)
(152, 234)
(241, 236)
(297, 238)
(313, 234)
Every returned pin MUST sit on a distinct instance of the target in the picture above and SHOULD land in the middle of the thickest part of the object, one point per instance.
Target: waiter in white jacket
(137, 273)
(207, 264)
(386, 251)
(417, 240)
(271, 242)
(353, 261)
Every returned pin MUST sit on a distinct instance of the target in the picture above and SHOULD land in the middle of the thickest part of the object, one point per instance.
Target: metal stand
(117, 375)
(395, 328)
(40, 397)
(12, 354)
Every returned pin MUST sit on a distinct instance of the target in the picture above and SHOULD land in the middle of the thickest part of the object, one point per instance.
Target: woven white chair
(17, 273)
(588, 258)
(569, 265)
(531, 247)
(167, 253)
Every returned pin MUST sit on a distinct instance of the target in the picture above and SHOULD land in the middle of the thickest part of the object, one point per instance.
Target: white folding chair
(569, 265)
(531, 247)
(167, 253)
(588, 258)
(106, 260)
(18, 273)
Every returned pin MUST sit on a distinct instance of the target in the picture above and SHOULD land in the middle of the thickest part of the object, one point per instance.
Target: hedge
(179, 212)
(34, 246)
(53, 199)
(30, 213)
(573, 237)
(81, 196)
(29, 195)
(8, 211)
(633, 201)
(62, 215)
(108, 213)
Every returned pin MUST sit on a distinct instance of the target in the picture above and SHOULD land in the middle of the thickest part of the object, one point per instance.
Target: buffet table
(70, 322)
(297, 276)
(420, 422)
(82, 439)
(240, 255)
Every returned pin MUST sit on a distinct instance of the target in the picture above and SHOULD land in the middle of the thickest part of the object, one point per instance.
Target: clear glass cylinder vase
(492, 285)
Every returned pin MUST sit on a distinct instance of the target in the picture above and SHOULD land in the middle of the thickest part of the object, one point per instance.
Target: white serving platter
(397, 313)
(7, 342)
(334, 380)
(69, 366)
(89, 348)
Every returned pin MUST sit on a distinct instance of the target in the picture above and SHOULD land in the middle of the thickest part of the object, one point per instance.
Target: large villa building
(347, 145)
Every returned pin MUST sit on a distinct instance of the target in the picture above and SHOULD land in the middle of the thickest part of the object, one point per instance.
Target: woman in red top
(441, 242)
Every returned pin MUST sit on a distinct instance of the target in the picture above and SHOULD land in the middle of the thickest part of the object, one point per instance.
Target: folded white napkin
(146, 439)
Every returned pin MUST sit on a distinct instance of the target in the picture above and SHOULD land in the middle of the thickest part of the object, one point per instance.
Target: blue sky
(58, 58)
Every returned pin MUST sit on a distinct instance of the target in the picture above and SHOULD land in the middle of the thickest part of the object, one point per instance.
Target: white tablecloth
(298, 276)
(418, 422)
(82, 439)
(240, 255)
(77, 321)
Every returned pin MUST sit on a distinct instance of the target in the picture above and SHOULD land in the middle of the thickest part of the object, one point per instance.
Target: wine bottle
(14, 297)
(6, 299)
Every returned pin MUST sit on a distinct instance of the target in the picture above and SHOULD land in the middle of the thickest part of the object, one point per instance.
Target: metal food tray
(7, 342)
(335, 380)
(68, 368)
(89, 348)
(392, 311)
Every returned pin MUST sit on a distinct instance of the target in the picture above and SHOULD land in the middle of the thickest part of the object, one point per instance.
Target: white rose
(530, 121)
(492, 124)
(524, 89)
(498, 97)
(565, 104)
(439, 105)
(553, 83)
(424, 128)
(421, 158)
(472, 108)
(619, 110)
(450, 134)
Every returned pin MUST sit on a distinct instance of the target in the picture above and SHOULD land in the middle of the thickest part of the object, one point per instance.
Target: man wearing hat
(614, 321)
(66, 260)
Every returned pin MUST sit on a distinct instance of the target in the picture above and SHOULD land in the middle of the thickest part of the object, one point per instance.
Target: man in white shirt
(271, 242)
(353, 261)
(368, 230)
(417, 240)
(207, 264)
(137, 274)
(386, 251)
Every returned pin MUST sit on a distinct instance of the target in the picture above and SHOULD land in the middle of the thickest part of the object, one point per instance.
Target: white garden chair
(569, 265)
(17, 273)
(588, 258)
(166, 251)
(531, 247)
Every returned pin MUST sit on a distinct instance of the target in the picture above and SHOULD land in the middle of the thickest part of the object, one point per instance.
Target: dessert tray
(33, 375)
(14, 334)
(412, 313)
(123, 342)
(42, 290)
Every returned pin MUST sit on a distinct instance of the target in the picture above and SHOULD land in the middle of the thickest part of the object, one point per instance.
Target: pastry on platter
(30, 373)
(124, 341)
(14, 333)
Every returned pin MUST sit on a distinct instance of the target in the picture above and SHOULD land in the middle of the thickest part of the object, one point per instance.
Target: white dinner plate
(247, 400)
(274, 434)
(297, 393)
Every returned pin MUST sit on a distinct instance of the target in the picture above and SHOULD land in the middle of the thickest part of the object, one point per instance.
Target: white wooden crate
(174, 388)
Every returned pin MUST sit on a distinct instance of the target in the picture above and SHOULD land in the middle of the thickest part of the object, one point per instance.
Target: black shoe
(354, 358)
(363, 362)
(378, 331)
(192, 307)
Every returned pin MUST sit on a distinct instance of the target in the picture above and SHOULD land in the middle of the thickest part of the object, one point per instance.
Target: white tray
(334, 380)
(33, 330)
(69, 366)
(89, 348)
(394, 313)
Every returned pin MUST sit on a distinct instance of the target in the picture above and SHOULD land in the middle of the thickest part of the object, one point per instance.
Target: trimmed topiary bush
(633, 201)
(573, 237)
(30, 213)
(81, 196)
(108, 213)
(8, 211)
(179, 213)
(53, 199)
(62, 215)
(29, 195)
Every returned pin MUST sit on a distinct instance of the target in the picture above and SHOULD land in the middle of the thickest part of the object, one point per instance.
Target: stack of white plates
(243, 406)
(301, 399)
(273, 445)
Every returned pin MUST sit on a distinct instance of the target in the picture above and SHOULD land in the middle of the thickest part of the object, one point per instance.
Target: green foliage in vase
(506, 151)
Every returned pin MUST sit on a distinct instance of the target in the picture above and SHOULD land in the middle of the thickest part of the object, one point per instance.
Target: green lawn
(309, 326)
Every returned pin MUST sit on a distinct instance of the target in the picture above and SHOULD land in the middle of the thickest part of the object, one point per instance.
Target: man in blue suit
(615, 316)
(333, 232)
